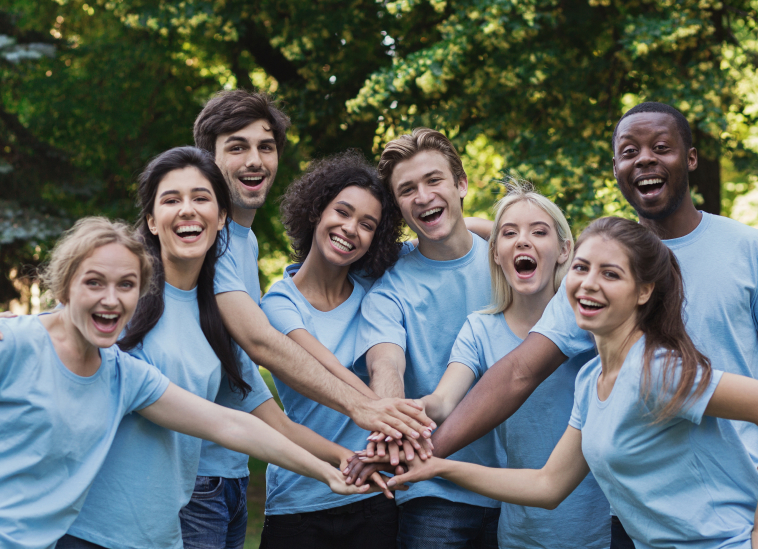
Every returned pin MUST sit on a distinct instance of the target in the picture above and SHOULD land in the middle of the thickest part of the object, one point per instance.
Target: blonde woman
(530, 250)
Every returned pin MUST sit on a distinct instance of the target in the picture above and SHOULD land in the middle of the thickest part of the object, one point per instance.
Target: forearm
(435, 408)
(500, 392)
(386, 367)
(529, 487)
(317, 445)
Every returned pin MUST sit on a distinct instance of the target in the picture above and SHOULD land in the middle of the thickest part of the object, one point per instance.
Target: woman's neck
(614, 346)
(324, 285)
(77, 354)
(525, 310)
(182, 274)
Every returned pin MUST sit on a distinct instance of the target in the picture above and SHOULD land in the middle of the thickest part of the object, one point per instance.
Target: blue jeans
(216, 516)
(70, 542)
(619, 538)
(433, 523)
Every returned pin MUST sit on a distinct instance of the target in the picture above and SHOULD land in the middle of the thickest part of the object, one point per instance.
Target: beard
(680, 191)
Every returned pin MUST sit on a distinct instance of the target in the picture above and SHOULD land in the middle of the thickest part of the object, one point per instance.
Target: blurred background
(90, 91)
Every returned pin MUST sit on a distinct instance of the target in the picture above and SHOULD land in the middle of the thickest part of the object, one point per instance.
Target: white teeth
(589, 303)
(525, 258)
(430, 212)
(189, 229)
(649, 182)
(343, 245)
(252, 178)
(106, 317)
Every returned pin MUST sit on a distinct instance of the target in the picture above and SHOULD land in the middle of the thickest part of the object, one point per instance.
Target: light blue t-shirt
(56, 429)
(287, 310)
(721, 307)
(150, 472)
(684, 482)
(236, 270)
(420, 305)
(529, 437)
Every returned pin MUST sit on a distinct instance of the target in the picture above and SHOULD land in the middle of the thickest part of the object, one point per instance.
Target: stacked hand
(413, 469)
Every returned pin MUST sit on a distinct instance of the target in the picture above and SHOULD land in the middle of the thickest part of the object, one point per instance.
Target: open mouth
(252, 181)
(651, 186)
(341, 244)
(430, 216)
(189, 233)
(106, 322)
(525, 266)
(589, 306)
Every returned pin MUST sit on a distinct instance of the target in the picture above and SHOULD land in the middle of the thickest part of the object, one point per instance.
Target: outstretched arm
(546, 487)
(182, 411)
(449, 392)
(500, 392)
(250, 328)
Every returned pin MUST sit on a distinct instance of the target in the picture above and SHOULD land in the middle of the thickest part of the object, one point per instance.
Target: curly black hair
(307, 197)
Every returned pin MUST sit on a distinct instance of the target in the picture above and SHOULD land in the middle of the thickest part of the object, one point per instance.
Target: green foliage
(89, 91)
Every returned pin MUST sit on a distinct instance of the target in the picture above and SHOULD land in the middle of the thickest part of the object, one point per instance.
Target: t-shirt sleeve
(692, 410)
(558, 324)
(227, 279)
(466, 351)
(282, 313)
(7, 350)
(145, 384)
(259, 391)
(381, 321)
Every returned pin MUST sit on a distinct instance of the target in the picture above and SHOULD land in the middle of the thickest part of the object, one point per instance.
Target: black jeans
(70, 542)
(367, 524)
(619, 538)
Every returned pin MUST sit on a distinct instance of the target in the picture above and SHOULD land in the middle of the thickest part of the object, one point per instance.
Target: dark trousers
(435, 523)
(70, 542)
(619, 538)
(367, 524)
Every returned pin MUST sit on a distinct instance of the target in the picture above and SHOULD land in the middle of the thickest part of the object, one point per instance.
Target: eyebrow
(352, 209)
(239, 138)
(603, 265)
(425, 176)
(98, 273)
(195, 190)
(532, 224)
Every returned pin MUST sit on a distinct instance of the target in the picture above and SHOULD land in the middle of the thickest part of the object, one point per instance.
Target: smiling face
(651, 164)
(601, 288)
(347, 225)
(185, 216)
(427, 195)
(528, 249)
(103, 294)
(248, 159)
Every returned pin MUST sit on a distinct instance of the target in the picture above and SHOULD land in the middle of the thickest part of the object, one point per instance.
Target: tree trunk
(706, 179)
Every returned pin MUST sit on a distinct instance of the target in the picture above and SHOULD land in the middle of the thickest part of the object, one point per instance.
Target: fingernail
(391, 483)
(387, 439)
(433, 426)
(362, 458)
(414, 434)
(427, 434)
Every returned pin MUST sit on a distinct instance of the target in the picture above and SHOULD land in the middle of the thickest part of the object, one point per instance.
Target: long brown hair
(660, 318)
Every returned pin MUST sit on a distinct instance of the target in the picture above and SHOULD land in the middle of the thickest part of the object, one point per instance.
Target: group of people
(594, 394)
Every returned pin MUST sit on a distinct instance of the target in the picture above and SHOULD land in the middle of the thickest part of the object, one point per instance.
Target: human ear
(692, 159)
(221, 219)
(565, 252)
(645, 291)
(462, 186)
(151, 224)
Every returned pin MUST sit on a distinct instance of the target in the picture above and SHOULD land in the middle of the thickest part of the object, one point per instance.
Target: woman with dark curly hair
(345, 231)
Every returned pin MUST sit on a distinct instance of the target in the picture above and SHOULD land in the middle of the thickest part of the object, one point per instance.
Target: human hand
(359, 473)
(394, 418)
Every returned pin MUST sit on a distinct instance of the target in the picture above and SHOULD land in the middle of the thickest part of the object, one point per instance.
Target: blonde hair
(408, 146)
(80, 241)
(520, 191)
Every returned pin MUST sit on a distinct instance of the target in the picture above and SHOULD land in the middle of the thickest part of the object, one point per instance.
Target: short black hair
(652, 106)
(306, 199)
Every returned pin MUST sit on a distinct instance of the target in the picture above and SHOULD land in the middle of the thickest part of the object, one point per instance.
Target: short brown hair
(229, 111)
(407, 146)
(80, 241)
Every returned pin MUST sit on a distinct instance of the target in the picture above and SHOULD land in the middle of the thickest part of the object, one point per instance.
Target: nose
(423, 195)
(590, 280)
(253, 159)
(645, 158)
(110, 297)
(187, 208)
(523, 241)
(350, 226)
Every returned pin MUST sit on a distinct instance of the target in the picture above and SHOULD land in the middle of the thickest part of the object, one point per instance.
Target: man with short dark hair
(246, 133)
(652, 157)
(411, 317)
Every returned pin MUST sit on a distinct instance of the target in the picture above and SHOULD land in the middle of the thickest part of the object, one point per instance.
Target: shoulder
(587, 374)
(732, 227)
(280, 290)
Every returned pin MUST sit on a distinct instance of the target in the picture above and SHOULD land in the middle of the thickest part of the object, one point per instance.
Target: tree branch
(270, 59)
